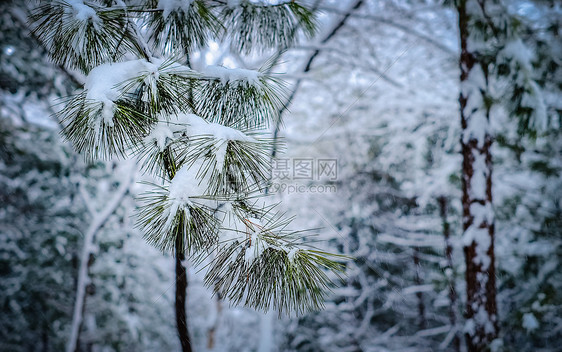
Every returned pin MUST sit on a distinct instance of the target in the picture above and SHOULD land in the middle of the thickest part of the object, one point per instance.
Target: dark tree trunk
(181, 294)
(450, 271)
(478, 222)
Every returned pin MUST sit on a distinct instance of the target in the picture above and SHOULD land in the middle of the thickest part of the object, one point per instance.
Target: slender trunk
(478, 218)
(418, 281)
(181, 273)
(181, 295)
(450, 271)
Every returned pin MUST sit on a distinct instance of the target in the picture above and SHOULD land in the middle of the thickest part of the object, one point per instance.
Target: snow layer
(478, 181)
(233, 3)
(169, 6)
(186, 185)
(226, 75)
(197, 126)
(519, 52)
(478, 125)
(483, 241)
(162, 134)
(102, 84)
(84, 12)
(254, 228)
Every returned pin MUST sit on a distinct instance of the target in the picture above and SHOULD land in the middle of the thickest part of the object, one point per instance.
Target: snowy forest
(280, 175)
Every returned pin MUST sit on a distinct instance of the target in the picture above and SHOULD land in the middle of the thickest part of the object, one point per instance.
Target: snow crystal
(226, 75)
(169, 6)
(530, 323)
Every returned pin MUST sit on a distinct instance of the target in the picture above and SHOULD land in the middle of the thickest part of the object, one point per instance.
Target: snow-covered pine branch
(198, 132)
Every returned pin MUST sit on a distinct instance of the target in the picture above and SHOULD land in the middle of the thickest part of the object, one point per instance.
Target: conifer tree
(492, 52)
(197, 132)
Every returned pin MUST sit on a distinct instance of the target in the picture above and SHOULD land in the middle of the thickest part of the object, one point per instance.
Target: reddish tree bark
(478, 223)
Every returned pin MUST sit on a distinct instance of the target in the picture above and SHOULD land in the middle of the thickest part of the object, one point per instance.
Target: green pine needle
(239, 104)
(275, 279)
(258, 27)
(162, 222)
(182, 31)
(83, 44)
(85, 128)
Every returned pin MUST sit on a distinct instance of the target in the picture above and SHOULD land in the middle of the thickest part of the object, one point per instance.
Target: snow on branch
(236, 76)
(82, 34)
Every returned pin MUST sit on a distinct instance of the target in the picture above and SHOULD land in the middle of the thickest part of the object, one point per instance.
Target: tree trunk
(181, 273)
(450, 271)
(181, 294)
(478, 218)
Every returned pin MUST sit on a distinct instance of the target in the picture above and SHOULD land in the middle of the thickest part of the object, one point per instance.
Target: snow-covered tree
(491, 49)
(197, 131)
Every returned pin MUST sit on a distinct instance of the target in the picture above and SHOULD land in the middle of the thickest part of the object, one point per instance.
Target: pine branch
(263, 266)
(251, 27)
(247, 102)
(166, 220)
(146, 105)
(82, 37)
(182, 30)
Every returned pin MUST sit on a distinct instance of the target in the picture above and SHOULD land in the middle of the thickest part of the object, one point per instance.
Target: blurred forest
(372, 160)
